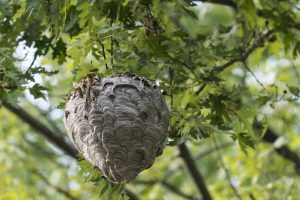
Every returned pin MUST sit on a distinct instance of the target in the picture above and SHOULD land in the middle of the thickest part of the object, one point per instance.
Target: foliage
(227, 71)
(106, 189)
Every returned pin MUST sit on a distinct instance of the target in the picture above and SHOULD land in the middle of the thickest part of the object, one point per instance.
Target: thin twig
(58, 189)
(131, 195)
(289, 190)
(176, 61)
(254, 76)
(227, 173)
(213, 149)
(195, 173)
(172, 172)
(171, 74)
(176, 190)
(32, 62)
(103, 53)
(153, 20)
(42, 151)
(256, 44)
(166, 184)
(111, 47)
(201, 88)
(198, 156)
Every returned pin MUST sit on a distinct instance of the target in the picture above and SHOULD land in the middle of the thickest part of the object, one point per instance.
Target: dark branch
(198, 179)
(252, 73)
(230, 3)
(284, 151)
(259, 42)
(103, 53)
(55, 138)
(131, 195)
(112, 47)
(32, 62)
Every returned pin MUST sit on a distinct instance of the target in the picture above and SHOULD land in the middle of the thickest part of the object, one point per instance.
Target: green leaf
(244, 140)
(108, 30)
(21, 10)
(104, 188)
(296, 50)
(259, 128)
(107, 190)
(61, 104)
(13, 97)
(41, 70)
(190, 12)
(263, 99)
(294, 90)
(99, 23)
(3, 94)
(38, 91)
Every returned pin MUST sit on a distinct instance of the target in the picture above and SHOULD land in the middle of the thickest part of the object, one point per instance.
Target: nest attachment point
(118, 123)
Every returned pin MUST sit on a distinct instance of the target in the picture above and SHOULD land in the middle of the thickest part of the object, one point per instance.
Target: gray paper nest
(118, 123)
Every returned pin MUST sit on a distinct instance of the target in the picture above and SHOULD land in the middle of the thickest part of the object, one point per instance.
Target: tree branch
(269, 136)
(252, 73)
(284, 151)
(111, 47)
(259, 42)
(131, 195)
(103, 53)
(198, 179)
(58, 189)
(176, 190)
(56, 139)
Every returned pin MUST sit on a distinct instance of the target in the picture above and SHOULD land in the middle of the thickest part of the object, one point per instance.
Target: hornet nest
(118, 123)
